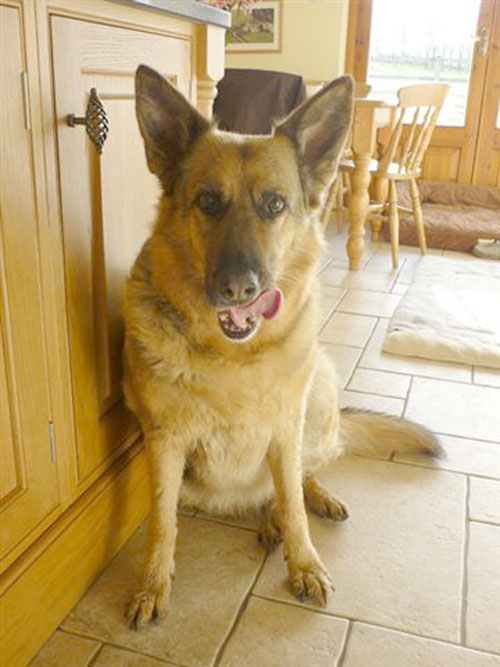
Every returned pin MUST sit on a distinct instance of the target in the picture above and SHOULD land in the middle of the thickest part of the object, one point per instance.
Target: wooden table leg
(360, 200)
(369, 115)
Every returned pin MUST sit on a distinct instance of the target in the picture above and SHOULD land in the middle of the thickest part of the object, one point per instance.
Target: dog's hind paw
(148, 606)
(270, 537)
(322, 502)
(328, 507)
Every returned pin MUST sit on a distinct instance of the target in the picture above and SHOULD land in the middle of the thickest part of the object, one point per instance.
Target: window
(424, 41)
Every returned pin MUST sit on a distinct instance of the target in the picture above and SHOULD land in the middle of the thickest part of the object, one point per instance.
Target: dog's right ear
(167, 121)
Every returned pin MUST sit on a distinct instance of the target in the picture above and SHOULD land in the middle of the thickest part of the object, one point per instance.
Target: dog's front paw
(148, 606)
(310, 581)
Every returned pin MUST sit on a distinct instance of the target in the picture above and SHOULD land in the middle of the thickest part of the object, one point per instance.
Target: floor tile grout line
(377, 625)
(323, 266)
(96, 655)
(436, 468)
(407, 398)
(363, 289)
(342, 264)
(425, 377)
(334, 310)
(352, 312)
(224, 522)
(351, 347)
(463, 610)
(371, 393)
(343, 650)
(484, 522)
(366, 289)
(239, 614)
(356, 366)
(107, 642)
(489, 386)
(465, 437)
(300, 605)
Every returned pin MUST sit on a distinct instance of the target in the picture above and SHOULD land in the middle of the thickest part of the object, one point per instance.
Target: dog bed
(455, 215)
(451, 312)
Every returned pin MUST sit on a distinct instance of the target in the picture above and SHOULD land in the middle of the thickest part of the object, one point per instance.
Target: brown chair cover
(250, 100)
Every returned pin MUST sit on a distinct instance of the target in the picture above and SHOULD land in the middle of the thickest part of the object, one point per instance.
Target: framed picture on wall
(257, 29)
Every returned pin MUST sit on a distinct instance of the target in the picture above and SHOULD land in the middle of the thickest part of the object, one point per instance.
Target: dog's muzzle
(241, 322)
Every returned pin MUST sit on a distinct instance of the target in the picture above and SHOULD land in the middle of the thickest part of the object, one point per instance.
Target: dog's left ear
(319, 129)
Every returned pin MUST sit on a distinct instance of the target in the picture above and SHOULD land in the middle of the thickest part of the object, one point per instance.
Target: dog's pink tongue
(267, 304)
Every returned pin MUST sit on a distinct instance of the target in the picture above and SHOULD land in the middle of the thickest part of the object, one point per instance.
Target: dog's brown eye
(274, 205)
(209, 202)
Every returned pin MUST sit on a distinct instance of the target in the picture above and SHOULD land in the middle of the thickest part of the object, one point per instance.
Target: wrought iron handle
(95, 121)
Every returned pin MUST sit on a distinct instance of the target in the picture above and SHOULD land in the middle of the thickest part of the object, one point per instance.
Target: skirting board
(34, 599)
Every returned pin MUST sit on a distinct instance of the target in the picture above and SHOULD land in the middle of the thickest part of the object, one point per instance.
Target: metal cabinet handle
(95, 121)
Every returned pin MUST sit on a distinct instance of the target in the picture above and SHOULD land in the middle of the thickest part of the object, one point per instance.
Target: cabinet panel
(28, 480)
(108, 208)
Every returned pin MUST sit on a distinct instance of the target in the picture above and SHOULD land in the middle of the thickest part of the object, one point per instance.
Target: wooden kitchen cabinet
(29, 490)
(73, 478)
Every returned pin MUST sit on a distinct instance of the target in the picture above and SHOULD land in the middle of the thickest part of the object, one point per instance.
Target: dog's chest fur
(230, 409)
(227, 467)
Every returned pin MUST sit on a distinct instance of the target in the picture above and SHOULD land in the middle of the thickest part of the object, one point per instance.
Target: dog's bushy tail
(373, 433)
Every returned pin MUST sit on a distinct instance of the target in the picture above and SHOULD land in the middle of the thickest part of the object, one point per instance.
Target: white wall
(312, 41)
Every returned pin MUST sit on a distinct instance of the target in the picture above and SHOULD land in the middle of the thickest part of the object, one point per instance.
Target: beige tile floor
(415, 567)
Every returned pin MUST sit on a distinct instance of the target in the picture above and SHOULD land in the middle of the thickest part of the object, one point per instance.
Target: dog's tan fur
(228, 426)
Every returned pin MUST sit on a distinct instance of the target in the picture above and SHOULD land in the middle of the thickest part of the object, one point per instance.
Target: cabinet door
(28, 477)
(108, 208)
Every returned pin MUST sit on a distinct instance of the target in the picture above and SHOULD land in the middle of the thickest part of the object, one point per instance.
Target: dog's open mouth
(241, 322)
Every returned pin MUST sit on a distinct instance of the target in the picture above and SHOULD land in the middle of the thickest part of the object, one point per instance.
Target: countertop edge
(189, 9)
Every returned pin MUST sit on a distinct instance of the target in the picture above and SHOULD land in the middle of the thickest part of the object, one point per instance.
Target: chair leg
(346, 185)
(380, 187)
(332, 197)
(376, 225)
(417, 215)
(340, 204)
(394, 223)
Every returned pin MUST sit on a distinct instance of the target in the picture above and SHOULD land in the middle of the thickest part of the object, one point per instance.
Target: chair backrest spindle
(407, 144)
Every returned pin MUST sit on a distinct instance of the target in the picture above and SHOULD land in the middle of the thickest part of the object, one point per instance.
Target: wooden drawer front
(28, 477)
(108, 208)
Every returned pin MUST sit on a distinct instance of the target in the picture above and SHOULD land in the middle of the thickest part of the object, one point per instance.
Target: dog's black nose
(237, 288)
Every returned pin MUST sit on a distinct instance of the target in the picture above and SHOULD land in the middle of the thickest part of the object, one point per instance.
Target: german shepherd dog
(237, 403)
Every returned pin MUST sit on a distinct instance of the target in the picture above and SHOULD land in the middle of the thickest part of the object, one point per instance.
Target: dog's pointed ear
(167, 121)
(319, 130)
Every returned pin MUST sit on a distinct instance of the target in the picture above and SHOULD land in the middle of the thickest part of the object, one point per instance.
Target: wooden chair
(362, 89)
(341, 186)
(400, 159)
